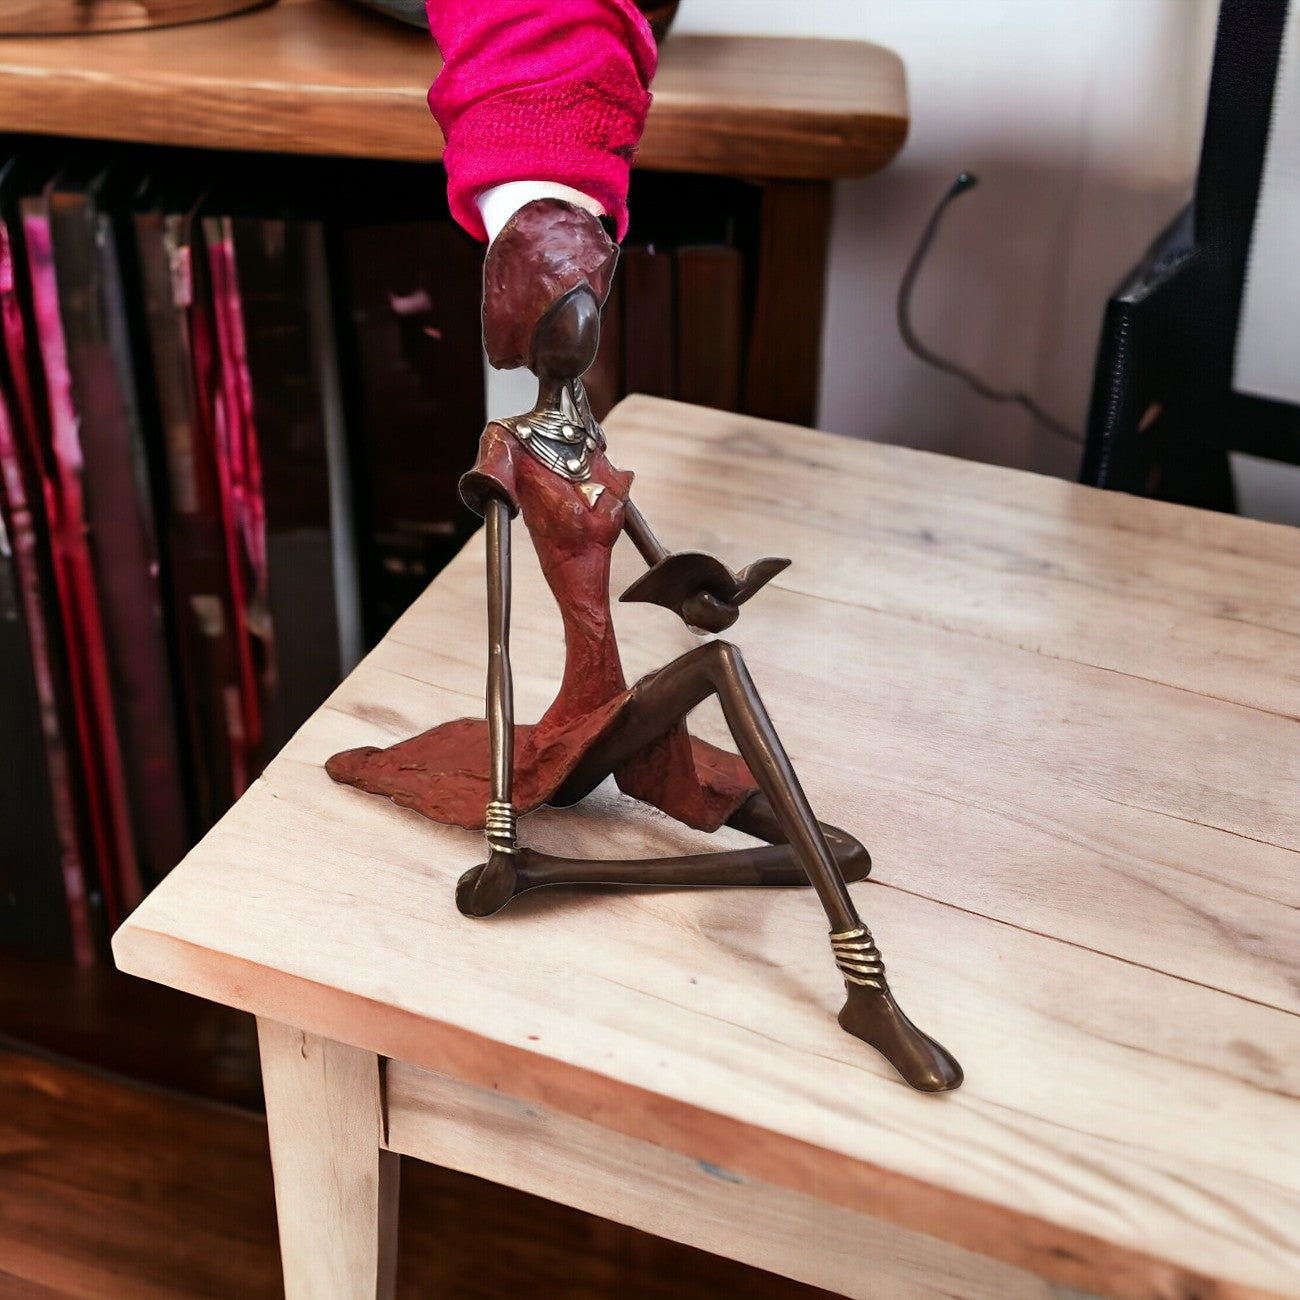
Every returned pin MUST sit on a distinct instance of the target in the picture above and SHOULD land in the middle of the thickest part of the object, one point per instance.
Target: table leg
(335, 1189)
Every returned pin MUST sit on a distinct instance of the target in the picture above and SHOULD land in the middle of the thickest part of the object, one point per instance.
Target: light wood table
(329, 77)
(1065, 723)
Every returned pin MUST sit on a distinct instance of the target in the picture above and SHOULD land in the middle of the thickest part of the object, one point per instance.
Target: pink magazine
(108, 806)
(23, 536)
(239, 474)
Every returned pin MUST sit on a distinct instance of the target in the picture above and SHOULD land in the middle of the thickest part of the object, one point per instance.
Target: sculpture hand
(704, 612)
(701, 588)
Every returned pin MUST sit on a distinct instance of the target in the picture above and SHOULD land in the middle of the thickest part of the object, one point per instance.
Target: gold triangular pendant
(591, 492)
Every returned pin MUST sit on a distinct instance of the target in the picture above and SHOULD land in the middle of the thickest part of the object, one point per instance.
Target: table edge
(1049, 1250)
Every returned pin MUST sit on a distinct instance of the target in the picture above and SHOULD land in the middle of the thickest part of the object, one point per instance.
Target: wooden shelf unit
(328, 77)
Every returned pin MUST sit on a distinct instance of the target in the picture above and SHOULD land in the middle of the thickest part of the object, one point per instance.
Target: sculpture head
(548, 271)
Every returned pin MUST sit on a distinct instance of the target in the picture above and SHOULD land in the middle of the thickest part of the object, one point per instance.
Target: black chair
(1164, 415)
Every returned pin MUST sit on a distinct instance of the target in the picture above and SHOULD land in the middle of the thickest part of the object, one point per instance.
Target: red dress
(444, 773)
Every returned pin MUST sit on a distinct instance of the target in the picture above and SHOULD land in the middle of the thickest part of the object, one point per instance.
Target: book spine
(710, 289)
(288, 407)
(239, 477)
(22, 541)
(649, 353)
(324, 346)
(202, 609)
(118, 499)
(87, 651)
(414, 291)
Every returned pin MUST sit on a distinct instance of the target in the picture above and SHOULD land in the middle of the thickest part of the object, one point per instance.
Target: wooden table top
(1065, 723)
(328, 77)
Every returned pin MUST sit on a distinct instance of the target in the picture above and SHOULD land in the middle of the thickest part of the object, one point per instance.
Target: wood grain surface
(328, 77)
(1064, 721)
(114, 1191)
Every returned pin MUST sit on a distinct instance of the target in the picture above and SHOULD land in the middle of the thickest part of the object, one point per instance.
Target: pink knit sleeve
(544, 90)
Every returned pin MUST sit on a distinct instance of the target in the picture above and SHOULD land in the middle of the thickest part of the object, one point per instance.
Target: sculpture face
(566, 338)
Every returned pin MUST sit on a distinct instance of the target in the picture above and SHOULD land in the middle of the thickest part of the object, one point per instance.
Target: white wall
(1082, 119)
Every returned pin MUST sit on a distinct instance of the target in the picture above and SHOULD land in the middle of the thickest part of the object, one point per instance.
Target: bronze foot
(850, 856)
(872, 1015)
(755, 817)
(488, 887)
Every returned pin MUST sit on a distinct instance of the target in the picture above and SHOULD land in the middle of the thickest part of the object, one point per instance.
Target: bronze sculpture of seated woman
(545, 279)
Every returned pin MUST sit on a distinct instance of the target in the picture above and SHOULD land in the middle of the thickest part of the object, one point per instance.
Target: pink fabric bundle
(545, 90)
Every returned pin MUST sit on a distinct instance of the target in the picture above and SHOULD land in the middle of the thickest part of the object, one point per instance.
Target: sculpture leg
(755, 817)
(870, 1011)
(663, 699)
(487, 888)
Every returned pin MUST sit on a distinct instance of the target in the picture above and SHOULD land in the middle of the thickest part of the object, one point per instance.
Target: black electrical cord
(965, 181)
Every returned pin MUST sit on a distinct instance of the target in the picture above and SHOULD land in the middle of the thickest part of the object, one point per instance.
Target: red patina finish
(443, 773)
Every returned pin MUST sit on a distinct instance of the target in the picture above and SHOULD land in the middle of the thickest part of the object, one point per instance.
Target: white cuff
(499, 203)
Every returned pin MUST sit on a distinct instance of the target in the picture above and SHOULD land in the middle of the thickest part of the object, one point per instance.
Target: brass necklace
(561, 432)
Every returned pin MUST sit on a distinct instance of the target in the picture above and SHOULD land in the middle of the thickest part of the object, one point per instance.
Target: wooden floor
(131, 1028)
(113, 1189)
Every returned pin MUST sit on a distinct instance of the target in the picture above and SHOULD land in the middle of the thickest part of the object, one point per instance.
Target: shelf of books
(236, 395)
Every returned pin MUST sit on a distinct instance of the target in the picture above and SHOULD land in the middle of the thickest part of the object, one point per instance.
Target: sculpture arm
(642, 536)
(500, 685)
